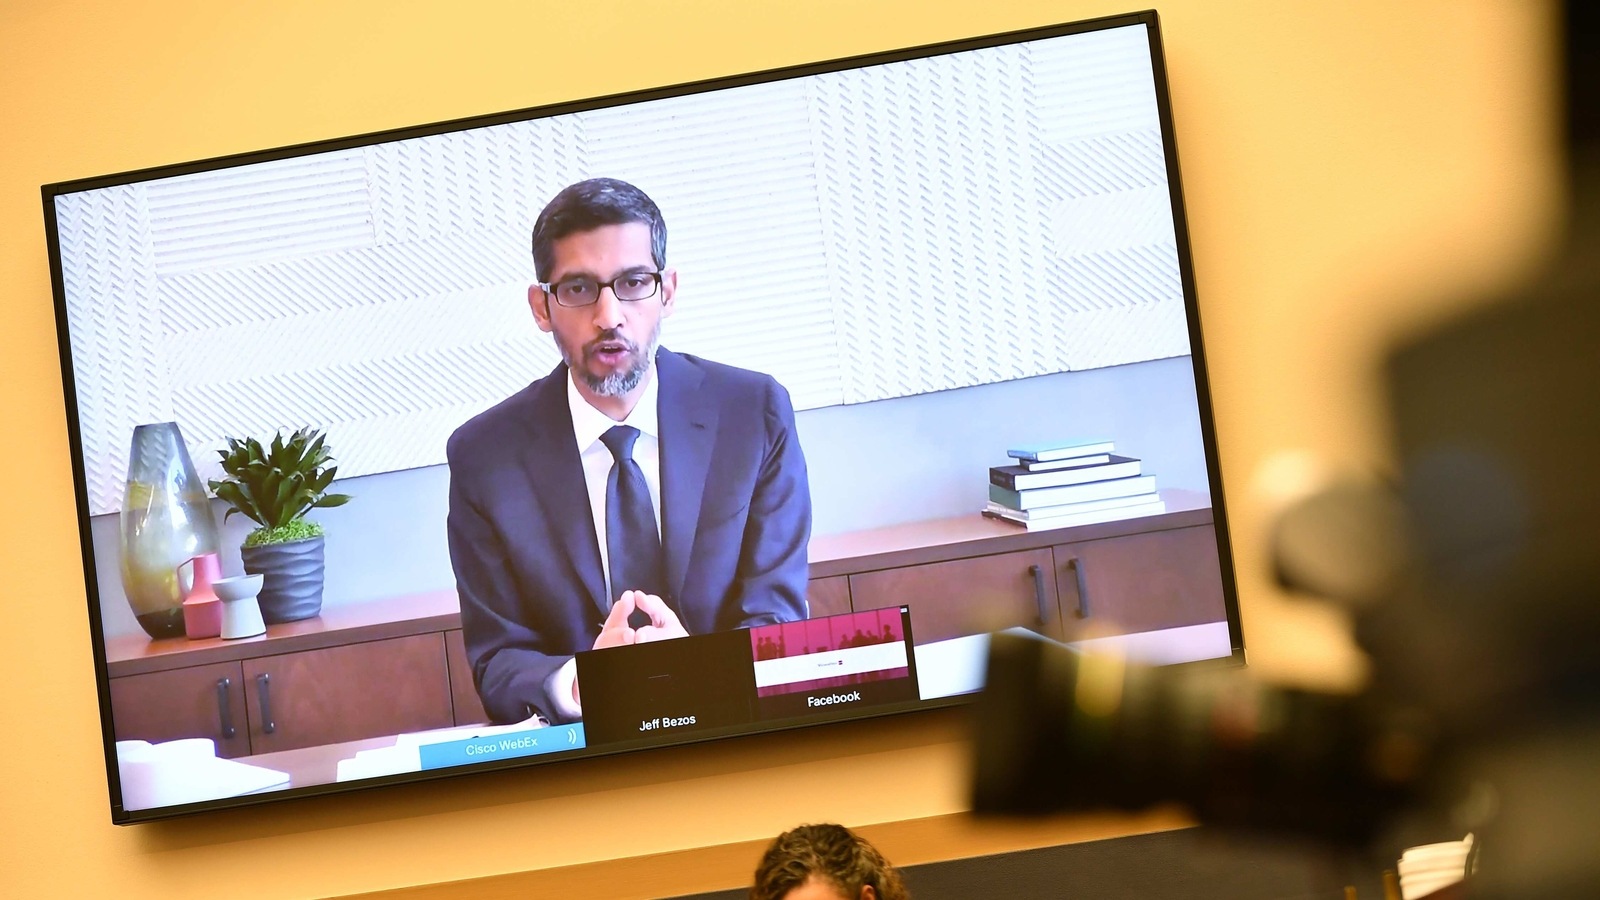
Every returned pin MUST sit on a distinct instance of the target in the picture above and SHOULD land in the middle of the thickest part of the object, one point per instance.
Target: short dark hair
(834, 854)
(592, 204)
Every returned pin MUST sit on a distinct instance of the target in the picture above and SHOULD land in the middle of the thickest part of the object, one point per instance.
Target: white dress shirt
(588, 424)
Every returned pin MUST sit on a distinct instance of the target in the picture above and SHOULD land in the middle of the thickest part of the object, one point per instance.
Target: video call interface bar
(812, 670)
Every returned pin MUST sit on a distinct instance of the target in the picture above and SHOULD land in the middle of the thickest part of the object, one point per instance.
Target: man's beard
(616, 384)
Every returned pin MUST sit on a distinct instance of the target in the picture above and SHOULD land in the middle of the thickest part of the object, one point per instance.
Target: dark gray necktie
(633, 545)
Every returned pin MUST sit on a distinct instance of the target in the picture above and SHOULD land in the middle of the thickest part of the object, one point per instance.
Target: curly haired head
(831, 855)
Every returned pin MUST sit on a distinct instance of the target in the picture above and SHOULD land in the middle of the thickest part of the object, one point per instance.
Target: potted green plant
(275, 487)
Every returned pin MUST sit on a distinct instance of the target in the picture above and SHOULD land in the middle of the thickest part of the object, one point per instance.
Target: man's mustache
(610, 337)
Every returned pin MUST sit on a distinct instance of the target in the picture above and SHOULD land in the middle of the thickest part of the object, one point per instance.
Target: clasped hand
(615, 632)
(663, 625)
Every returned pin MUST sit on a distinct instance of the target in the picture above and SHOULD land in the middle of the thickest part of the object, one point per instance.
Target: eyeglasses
(629, 287)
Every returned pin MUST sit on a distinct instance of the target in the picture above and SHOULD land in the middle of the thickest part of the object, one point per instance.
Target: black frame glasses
(555, 289)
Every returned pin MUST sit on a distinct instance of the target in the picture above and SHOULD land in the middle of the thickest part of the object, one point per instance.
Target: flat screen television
(524, 481)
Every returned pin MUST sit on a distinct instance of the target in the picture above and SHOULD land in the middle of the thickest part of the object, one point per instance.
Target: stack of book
(1059, 484)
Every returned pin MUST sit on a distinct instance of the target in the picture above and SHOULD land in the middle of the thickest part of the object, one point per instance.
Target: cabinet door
(347, 693)
(828, 596)
(1140, 582)
(197, 702)
(463, 693)
(967, 596)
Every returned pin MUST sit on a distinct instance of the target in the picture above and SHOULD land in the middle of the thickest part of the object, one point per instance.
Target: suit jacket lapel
(556, 472)
(687, 417)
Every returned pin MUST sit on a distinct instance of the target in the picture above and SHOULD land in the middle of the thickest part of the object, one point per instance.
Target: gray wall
(928, 456)
(871, 464)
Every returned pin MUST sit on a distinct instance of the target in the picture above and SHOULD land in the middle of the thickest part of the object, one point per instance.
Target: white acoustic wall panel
(284, 209)
(954, 282)
(366, 277)
(1103, 164)
(1093, 85)
(1119, 336)
(1106, 223)
(1136, 276)
(486, 182)
(114, 325)
(931, 226)
(1113, 252)
(407, 359)
(879, 233)
(733, 174)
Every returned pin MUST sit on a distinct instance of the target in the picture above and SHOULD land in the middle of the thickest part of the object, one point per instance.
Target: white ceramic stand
(241, 614)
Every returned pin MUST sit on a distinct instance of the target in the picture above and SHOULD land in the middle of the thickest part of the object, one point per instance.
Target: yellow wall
(1352, 170)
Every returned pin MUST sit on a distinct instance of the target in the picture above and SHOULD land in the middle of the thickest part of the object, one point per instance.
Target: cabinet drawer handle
(263, 693)
(224, 710)
(1076, 565)
(1038, 593)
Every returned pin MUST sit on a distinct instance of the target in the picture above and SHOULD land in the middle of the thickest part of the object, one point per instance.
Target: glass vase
(166, 520)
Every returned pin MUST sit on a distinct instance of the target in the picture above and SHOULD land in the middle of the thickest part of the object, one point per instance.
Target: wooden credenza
(356, 671)
(382, 668)
(968, 575)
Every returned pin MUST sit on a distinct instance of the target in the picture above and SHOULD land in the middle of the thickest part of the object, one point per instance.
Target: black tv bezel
(50, 192)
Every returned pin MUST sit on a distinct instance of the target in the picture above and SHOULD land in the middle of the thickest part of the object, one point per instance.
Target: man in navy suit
(633, 494)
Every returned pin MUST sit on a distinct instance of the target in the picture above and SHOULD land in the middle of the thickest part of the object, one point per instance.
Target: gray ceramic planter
(291, 586)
